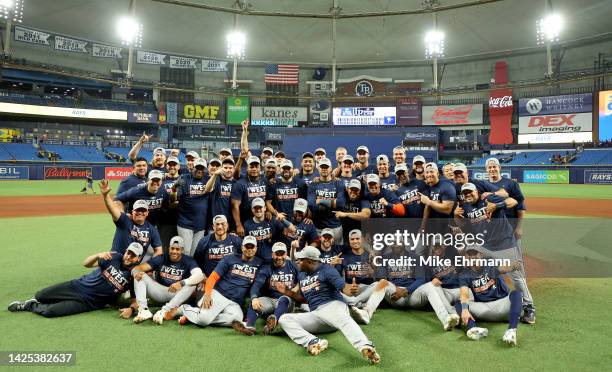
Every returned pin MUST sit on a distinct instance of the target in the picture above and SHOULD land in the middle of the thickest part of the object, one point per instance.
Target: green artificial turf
(56, 187)
(567, 191)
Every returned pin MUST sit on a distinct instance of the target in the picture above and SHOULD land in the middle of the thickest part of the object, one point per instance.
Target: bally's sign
(195, 113)
(278, 116)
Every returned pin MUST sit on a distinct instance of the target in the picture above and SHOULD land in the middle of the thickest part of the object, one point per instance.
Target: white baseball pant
(222, 312)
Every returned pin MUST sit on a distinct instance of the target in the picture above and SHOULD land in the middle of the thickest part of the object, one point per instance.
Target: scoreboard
(360, 116)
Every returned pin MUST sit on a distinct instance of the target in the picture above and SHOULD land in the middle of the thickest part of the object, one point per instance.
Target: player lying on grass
(492, 302)
(320, 285)
(92, 291)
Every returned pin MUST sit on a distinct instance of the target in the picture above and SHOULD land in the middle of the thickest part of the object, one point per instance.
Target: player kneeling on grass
(175, 278)
(225, 289)
(281, 272)
(92, 291)
(320, 285)
(492, 299)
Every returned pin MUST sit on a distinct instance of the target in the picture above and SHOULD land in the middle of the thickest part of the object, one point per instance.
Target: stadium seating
(18, 151)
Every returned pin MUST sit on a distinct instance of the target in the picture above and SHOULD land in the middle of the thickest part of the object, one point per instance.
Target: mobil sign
(559, 123)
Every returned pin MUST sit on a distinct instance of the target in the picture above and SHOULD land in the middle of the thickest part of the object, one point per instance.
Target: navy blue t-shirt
(168, 272)
(307, 232)
(331, 190)
(267, 233)
(386, 183)
(193, 204)
(442, 191)
(377, 208)
(220, 200)
(307, 178)
(237, 276)
(447, 274)
(245, 190)
(210, 251)
(485, 283)
(269, 275)
(514, 191)
(399, 271)
(283, 194)
(358, 267)
(409, 196)
(353, 206)
(322, 286)
(362, 173)
(105, 283)
(128, 232)
(346, 180)
(335, 249)
(129, 182)
(155, 201)
(497, 231)
(168, 216)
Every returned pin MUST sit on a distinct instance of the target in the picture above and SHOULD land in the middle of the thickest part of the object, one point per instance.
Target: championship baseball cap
(399, 148)
(219, 218)
(228, 160)
(307, 154)
(199, 162)
(215, 160)
(354, 232)
(418, 158)
(268, 149)
(382, 159)
(135, 248)
(226, 150)
(253, 159)
(155, 174)
(354, 184)
(159, 149)
(468, 186)
(193, 154)
(280, 153)
(177, 240)
(286, 163)
(363, 148)
(300, 205)
(372, 178)
(348, 158)
(460, 167)
(320, 149)
(140, 204)
(279, 247)
(327, 231)
(270, 162)
(492, 160)
(249, 239)
(401, 168)
(173, 159)
(432, 165)
(325, 161)
(309, 252)
(258, 202)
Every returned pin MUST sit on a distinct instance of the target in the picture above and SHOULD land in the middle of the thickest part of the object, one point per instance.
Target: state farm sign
(115, 173)
(452, 115)
(561, 123)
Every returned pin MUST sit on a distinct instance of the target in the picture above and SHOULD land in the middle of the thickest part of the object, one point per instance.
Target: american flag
(282, 74)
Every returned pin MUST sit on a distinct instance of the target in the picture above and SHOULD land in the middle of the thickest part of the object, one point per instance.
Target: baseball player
(270, 170)
(166, 223)
(387, 180)
(220, 188)
(383, 202)
(492, 299)
(363, 167)
(357, 269)
(88, 185)
(320, 286)
(418, 168)
(156, 196)
(279, 156)
(324, 197)
(305, 232)
(307, 171)
(356, 208)
(190, 157)
(92, 291)
(445, 277)
(192, 207)
(267, 153)
(408, 192)
(213, 165)
(138, 176)
(225, 153)
(274, 305)
(399, 155)
(346, 170)
(447, 171)
(265, 232)
(173, 271)
(440, 200)
(247, 188)
(341, 152)
(133, 227)
(282, 193)
(487, 217)
(319, 154)
(213, 247)
(159, 154)
(225, 289)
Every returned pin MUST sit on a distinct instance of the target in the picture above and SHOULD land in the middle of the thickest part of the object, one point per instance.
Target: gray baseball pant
(494, 311)
(329, 317)
(191, 239)
(519, 278)
(222, 312)
(426, 293)
(159, 293)
(269, 304)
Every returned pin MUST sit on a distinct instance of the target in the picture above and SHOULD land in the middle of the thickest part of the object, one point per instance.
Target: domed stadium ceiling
(189, 27)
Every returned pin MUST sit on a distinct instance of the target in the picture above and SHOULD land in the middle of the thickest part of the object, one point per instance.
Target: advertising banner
(142, 117)
(556, 104)
(9, 172)
(68, 112)
(559, 123)
(546, 176)
(364, 116)
(105, 51)
(70, 45)
(452, 115)
(212, 65)
(31, 36)
(199, 113)
(605, 115)
(182, 62)
(555, 138)
(278, 116)
(237, 109)
(595, 176)
(484, 176)
(66, 173)
(409, 111)
(320, 112)
(150, 58)
(117, 173)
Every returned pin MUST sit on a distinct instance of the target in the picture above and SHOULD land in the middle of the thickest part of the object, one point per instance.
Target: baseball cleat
(316, 346)
(361, 316)
(170, 314)
(159, 316)
(451, 322)
(21, 306)
(271, 324)
(240, 327)
(476, 333)
(183, 320)
(143, 314)
(510, 337)
(529, 316)
(370, 354)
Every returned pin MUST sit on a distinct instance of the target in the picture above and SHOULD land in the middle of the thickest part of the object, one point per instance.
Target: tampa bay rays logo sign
(364, 88)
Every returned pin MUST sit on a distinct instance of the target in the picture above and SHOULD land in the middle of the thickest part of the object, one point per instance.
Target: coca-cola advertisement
(500, 108)
(452, 115)
(66, 173)
(116, 173)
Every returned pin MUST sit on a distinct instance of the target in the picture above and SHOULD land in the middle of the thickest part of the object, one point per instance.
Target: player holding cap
(346, 169)
(363, 167)
(307, 171)
(418, 167)
(492, 299)
(92, 291)
(305, 232)
(173, 272)
(281, 195)
(399, 155)
(324, 197)
(156, 196)
(219, 186)
(356, 208)
(138, 176)
(440, 200)
(212, 248)
(266, 232)
(387, 180)
(225, 289)
(383, 203)
(273, 304)
(320, 285)
(247, 188)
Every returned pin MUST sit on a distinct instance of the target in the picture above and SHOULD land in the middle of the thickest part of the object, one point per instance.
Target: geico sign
(554, 123)
(200, 112)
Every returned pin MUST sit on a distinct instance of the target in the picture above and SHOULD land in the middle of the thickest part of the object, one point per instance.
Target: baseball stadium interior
(510, 95)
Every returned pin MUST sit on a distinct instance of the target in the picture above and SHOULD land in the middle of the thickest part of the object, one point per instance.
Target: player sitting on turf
(92, 291)
(274, 304)
(492, 299)
(173, 271)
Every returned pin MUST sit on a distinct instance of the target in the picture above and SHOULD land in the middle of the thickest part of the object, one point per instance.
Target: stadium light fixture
(549, 28)
(236, 45)
(12, 10)
(130, 32)
(434, 44)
